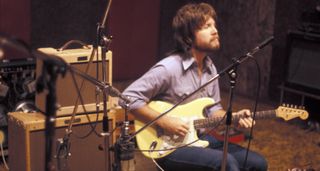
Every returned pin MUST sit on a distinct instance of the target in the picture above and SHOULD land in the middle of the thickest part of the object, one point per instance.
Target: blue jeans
(210, 158)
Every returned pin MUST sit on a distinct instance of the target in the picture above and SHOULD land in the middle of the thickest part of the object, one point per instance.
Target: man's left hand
(246, 121)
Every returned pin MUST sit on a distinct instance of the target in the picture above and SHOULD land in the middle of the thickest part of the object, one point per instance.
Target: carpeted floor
(287, 145)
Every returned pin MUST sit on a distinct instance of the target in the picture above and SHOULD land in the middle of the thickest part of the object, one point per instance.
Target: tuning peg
(295, 106)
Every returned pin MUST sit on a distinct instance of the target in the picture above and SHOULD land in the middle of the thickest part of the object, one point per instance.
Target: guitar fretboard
(210, 122)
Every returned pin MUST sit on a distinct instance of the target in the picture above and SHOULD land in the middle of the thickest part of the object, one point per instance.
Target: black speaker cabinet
(27, 143)
(66, 89)
(302, 61)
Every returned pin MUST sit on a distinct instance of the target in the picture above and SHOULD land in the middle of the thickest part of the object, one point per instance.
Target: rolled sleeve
(147, 87)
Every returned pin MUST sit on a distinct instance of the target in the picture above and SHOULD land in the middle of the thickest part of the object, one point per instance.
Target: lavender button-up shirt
(172, 79)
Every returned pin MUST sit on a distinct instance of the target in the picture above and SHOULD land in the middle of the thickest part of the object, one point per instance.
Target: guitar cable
(255, 107)
(2, 153)
(152, 147)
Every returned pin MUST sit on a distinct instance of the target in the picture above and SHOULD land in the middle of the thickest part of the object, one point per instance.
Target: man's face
(207, 38)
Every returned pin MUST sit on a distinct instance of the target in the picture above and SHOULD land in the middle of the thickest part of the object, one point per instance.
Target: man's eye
(206, 26)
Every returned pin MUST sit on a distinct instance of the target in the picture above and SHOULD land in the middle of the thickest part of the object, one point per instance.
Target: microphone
(250, 53)
(265, 43)
(116, 93)
(62, 152)
(261, 45)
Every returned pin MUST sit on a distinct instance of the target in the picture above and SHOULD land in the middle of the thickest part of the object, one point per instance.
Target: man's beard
(208, 48)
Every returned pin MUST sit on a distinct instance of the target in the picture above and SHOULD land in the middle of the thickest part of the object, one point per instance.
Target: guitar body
(153, 134)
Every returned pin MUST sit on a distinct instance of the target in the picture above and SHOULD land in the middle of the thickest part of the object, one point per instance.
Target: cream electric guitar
(155, 143)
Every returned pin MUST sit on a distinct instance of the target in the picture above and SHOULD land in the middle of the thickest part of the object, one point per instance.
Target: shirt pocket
(181, 92)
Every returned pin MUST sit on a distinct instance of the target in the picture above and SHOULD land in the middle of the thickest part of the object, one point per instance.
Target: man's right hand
(174, 125)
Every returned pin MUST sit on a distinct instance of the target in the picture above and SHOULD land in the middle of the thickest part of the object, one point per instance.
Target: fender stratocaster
(155, 143)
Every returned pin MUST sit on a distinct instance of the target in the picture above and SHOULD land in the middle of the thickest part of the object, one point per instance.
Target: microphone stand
(231, 70)
(232, 76)
(108, 89)
(125, 150)
(55, 65)
(103, 41)
(51, 68)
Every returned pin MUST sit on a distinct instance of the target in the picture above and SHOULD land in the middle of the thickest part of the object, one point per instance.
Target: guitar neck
(210, 122)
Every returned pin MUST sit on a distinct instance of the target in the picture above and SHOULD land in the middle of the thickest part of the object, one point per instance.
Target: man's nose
(214, 30)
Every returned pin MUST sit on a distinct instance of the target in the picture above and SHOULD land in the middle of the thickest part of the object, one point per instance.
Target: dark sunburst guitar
(163, 144)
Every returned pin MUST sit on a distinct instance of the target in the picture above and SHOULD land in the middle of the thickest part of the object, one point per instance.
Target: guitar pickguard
(169, 142)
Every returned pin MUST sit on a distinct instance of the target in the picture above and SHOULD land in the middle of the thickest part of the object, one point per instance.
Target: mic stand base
(124, 155)
(124, 148)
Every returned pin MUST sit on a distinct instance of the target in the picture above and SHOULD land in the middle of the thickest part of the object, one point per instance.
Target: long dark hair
(187, 20)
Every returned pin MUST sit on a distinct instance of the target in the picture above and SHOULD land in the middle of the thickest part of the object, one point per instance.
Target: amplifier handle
(67, 44)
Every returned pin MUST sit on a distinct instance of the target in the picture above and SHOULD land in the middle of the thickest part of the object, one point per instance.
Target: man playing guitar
(180, 73)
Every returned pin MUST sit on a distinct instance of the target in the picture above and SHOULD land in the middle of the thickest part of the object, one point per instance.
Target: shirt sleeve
(146, 87)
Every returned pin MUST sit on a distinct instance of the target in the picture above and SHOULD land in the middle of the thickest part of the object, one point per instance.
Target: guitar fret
(210, 122)
(265, 114)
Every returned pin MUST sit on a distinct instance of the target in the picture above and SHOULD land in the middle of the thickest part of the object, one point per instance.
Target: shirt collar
(187, 63)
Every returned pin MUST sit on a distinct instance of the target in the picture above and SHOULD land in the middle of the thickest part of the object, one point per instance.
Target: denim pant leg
(197, 159)
(254, 162)
(203, 159)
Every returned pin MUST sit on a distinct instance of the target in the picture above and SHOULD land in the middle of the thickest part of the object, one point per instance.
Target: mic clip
(62, 148)
(125, 148)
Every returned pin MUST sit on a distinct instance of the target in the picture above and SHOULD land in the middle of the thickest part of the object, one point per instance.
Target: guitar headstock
(288, 112)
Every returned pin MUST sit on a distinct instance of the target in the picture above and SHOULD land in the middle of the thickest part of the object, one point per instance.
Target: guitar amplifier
(65, 87)
(27, 142)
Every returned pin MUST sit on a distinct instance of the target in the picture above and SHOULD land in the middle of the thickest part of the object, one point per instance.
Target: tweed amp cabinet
(65, 87)
(27, 142)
